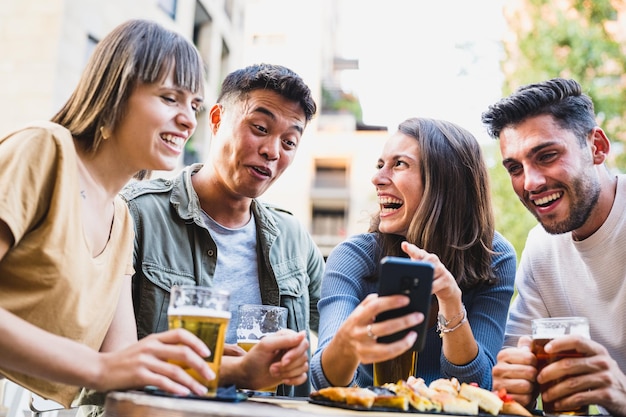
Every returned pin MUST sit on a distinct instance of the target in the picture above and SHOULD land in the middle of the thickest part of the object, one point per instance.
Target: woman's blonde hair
(137, 51)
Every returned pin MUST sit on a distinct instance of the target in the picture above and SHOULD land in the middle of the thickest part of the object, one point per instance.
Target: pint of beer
(545, 330)
(256, 321)
(204, 312)
(393, 370)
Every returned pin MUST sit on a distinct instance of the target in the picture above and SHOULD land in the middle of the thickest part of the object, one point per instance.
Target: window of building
(201, 22)
(228, 8)
(330, 176)
(328, 221)
(169, 7)
(329, 203)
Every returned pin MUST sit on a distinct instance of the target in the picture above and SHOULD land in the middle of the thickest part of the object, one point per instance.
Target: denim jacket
(174, 247)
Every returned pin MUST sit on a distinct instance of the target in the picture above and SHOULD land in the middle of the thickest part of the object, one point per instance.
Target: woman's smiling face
(160, 118)
(398, 183)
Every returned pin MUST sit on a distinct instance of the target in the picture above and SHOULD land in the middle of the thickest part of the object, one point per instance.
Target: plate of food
(444, 396)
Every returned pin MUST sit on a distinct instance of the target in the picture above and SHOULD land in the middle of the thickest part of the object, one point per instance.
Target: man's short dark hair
(276, 78)
(562, 99)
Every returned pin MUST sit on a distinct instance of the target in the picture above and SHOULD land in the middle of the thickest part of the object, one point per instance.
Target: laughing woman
(433, 190)
(66, 238)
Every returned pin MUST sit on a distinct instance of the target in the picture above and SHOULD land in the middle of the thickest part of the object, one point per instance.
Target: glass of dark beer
(545, 330)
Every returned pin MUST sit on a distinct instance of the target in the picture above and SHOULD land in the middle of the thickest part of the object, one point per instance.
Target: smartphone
(412, 278)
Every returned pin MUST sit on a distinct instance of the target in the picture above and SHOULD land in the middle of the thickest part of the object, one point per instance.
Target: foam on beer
(250, 335)
(554, 331)
(197, 311)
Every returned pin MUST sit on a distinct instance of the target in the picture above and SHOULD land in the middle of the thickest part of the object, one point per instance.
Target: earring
(105, 136)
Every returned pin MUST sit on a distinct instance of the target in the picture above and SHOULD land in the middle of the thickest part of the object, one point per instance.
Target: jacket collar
(183, 197)
(186, 202)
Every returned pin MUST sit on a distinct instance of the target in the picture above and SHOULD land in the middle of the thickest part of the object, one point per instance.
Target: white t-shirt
(237, 267)
(558, 277)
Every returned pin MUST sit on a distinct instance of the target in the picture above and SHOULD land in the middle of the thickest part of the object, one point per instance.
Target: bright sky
(433, 58)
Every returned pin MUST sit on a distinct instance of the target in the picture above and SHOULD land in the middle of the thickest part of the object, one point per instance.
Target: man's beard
(584, 195)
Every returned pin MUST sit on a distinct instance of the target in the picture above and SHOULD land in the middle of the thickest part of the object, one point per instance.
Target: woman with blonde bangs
(66, 238)
(433, 190)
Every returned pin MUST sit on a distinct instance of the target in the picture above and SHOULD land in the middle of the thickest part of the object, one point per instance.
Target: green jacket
(174, 247)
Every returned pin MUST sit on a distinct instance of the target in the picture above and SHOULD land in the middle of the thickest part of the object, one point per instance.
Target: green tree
(334, 100)
(579, 39)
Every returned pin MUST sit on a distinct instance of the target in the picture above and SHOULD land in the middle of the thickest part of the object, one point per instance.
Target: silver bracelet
(442, 323)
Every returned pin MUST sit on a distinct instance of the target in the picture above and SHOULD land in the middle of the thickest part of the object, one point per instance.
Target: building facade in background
(44, 45)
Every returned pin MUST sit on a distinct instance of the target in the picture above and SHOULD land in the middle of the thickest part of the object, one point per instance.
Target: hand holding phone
(413, 279)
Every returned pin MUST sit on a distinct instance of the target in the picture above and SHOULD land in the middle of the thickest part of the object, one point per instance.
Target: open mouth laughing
(389, 204)
(547, 200)
(175, 141)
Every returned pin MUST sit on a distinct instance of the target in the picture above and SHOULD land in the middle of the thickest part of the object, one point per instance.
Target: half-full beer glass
(547, 329)
(204, 312)
(393, 370)
(256, 321)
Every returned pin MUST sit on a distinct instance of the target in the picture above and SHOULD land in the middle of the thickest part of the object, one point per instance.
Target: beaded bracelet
(442, 323)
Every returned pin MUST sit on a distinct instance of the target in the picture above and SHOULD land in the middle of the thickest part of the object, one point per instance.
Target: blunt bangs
(153, 64)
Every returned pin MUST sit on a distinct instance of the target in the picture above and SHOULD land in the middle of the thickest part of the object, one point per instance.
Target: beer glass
(547, 329)
(256, 321)
(393, 370)
(204, 312)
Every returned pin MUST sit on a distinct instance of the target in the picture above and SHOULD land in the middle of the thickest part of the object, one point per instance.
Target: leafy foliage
(579, 39)
(334, 100)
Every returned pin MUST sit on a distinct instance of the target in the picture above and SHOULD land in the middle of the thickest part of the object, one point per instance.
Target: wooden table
(140, 404)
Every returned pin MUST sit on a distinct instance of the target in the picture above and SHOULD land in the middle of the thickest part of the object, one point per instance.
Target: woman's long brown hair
(454, 219)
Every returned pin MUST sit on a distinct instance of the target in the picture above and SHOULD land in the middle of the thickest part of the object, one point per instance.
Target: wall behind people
(45, 45)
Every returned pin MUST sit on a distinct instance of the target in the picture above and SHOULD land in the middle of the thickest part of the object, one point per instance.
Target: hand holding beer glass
(255, 322)
(543, 331)
(204, 312)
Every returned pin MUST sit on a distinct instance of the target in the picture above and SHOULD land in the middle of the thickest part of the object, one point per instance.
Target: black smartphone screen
(414, 279)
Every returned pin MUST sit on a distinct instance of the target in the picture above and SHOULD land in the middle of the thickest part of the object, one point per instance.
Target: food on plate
(336, 394)
(417, 401)
(400, 402)
(510, 406)
(456, 405)
(360, 396)
(451, 386)
(487, 400)
(419, 386)
(446, 392)
(514, 408)
(348, 395)
(441, 395)
(389, 399)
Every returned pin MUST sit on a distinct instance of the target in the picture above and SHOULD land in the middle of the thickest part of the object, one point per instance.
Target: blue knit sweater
(344, 287)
